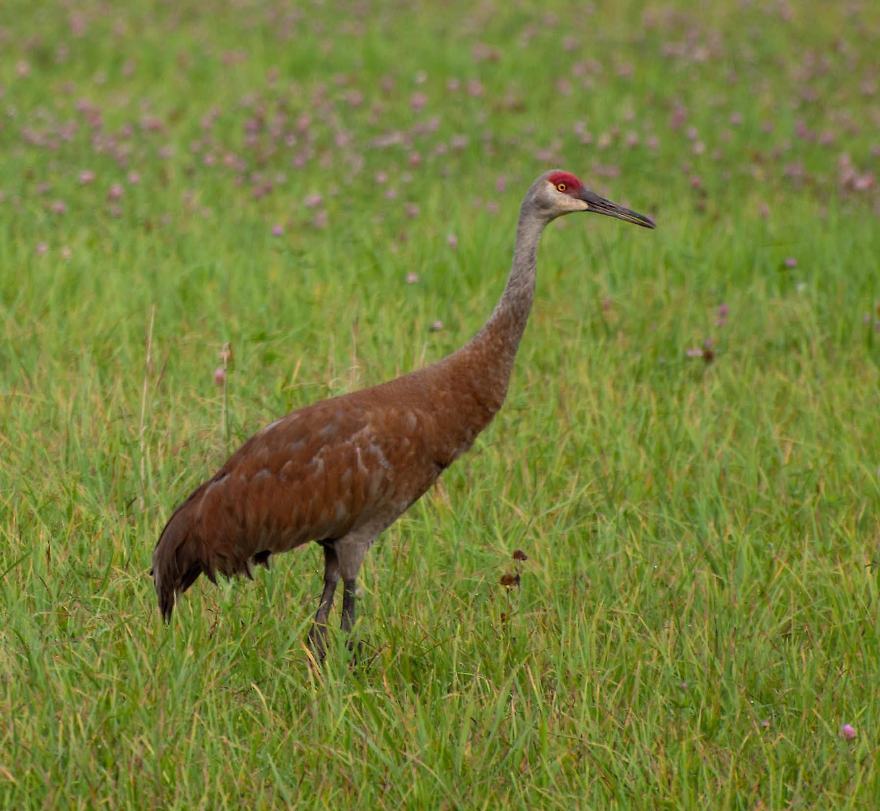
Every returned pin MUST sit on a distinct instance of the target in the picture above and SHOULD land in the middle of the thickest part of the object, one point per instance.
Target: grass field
(697, 619)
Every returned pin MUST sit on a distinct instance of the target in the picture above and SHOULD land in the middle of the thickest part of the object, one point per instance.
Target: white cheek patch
(574, 204)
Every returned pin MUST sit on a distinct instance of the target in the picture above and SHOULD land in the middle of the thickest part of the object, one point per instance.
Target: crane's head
(556, 193)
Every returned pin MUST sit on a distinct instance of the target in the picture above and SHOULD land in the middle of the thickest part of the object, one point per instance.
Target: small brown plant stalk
(142, 428)
(221, 378)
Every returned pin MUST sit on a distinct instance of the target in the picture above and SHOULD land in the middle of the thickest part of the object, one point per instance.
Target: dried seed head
(518, 554)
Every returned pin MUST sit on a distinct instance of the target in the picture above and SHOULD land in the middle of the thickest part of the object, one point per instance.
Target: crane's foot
(357, 650)
(362, 652)
(317, 641)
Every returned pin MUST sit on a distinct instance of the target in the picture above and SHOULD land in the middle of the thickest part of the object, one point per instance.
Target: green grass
(698, 615)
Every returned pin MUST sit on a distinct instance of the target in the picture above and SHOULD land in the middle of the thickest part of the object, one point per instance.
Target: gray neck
(476, 377)
(470, 385)
(506, 325)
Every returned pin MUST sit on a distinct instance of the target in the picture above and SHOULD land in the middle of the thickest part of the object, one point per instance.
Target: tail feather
(184, 552)
(179, 558)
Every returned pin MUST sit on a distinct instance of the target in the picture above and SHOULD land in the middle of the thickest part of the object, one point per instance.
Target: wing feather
(316, 474)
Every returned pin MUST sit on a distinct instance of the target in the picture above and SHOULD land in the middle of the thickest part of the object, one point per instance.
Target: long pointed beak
(600, 205)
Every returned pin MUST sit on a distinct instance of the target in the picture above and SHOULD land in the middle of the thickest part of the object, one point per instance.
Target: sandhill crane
(341, 471)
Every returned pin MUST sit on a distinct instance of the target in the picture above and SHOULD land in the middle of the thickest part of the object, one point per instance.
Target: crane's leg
(349, 598)
(351, 555)
(318, 633)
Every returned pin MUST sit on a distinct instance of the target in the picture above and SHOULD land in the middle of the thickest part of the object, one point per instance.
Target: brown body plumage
(342, 470)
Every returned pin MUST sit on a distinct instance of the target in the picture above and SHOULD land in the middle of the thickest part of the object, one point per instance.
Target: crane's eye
(561, 187)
